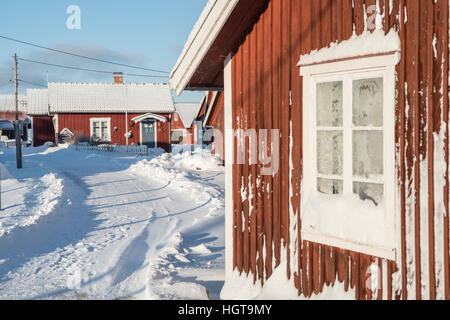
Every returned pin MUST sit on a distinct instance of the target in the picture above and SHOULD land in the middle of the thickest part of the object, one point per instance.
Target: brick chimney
(118, 77)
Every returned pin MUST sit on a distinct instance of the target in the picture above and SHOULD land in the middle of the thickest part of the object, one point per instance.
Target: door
(149, 133)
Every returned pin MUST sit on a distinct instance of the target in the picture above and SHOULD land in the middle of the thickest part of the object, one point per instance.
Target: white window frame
(347, 71)
(107, 120)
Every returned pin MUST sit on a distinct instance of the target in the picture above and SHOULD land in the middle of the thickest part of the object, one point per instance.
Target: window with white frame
(349, 184)
(101, 129)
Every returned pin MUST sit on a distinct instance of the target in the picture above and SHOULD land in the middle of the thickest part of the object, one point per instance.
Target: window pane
(368, 102)
(329, 104)
(330, 152)
(330, 186)
(369, 191)
(367, 153)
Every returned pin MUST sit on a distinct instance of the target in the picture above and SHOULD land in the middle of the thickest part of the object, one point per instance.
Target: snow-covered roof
(37, 101)
(7, 102)
(110, 97)
(188, 112)
(205, 31)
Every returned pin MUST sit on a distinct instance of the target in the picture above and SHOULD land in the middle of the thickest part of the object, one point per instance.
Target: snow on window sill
(349, 223)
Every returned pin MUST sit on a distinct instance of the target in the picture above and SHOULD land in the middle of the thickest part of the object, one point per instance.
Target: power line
(89, 70)
(34, 83)
(81, 56)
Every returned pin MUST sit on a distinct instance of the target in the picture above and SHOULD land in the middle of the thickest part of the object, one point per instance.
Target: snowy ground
(80, 225)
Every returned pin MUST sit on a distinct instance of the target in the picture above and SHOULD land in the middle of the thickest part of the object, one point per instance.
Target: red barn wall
(267, 94)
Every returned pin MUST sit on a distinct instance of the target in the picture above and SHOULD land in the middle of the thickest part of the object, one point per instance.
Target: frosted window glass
(368, 102)
(331, 187)
(369, 192)
(330, 152)
(329, 104)
(367, 153)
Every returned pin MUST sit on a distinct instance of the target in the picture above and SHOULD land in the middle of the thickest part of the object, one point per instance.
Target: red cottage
(337, 149)
(115, 113)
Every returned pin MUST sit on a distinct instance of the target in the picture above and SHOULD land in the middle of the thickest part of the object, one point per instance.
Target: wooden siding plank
(252, 124)
(267, 104)
(276, 104)
(430, 145)
(286, 60)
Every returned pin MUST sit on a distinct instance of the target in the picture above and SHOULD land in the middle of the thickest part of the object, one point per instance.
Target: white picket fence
(137, 150)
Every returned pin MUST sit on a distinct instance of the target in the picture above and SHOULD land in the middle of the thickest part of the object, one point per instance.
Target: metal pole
(17, 123)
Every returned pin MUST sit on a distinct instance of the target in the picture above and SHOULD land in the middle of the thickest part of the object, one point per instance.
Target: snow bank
(178, 171)
(277, 287)
(32, 200)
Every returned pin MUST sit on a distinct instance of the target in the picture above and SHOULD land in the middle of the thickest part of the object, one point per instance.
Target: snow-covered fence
(137, 150)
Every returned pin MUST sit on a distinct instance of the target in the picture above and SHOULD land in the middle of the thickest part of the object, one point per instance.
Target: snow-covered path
(153, 230)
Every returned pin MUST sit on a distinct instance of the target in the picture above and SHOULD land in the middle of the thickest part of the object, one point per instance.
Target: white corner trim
(366, 44)
(228, 119)
(205, 31)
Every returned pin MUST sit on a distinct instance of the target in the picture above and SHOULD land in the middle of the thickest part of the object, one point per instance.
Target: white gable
(188, 112)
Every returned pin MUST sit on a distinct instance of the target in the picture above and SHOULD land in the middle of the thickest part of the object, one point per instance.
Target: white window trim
(383, 65)
(108, 120)
(156, 131)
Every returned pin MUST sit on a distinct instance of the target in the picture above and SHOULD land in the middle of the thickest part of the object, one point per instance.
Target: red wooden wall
(267, 93)
(11, 115)
(43, 130)
(79, 124)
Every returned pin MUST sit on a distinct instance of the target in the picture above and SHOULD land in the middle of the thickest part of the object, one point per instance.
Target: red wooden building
(115, 113)
(213, 118)
(355, 94)
(8, 114)
(43, 129)
(184, 125)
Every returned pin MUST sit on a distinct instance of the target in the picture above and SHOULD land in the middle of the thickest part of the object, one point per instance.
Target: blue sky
(147, 33)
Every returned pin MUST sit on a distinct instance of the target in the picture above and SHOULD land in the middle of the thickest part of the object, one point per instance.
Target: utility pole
(17, 123)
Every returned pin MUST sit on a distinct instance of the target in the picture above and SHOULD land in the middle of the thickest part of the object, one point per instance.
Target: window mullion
(348, 136)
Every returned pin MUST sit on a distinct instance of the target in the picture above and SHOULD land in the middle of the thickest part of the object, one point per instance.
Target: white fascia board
(149, 116)
(205, 31)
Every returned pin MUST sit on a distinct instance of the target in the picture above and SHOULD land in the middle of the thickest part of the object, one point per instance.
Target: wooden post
(16, 122)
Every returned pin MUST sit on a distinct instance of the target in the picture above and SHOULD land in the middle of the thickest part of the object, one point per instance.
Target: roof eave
(200, 41)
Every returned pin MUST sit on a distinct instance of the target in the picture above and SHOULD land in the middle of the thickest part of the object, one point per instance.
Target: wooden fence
(137, 150)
